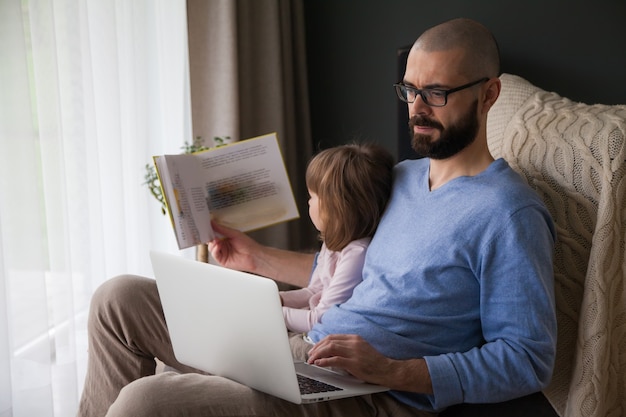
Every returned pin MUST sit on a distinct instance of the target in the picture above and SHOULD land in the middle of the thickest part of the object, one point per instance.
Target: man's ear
(491, 92)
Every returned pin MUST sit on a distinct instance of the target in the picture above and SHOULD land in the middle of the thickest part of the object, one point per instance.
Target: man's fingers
(223, 230)
(333, 346)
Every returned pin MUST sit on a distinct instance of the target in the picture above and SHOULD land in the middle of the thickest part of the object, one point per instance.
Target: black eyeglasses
(435, 97)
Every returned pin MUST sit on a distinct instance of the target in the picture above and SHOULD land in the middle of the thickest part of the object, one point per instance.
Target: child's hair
(353, 184)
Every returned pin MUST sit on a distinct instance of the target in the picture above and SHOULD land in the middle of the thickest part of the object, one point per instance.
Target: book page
(177, 174)
(246, 184)
(243, 185)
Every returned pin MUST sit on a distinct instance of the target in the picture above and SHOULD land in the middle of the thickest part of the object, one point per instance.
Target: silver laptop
(230, 323)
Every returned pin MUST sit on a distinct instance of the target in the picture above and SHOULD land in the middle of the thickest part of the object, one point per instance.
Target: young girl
(349, 186)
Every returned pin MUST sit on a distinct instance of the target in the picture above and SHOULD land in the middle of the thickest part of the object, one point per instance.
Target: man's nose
(419, 106)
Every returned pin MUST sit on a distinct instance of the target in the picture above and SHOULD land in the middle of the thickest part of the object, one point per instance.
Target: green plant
(152, 179)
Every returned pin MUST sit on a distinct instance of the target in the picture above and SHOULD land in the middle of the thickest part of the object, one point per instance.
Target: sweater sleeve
(518, 320)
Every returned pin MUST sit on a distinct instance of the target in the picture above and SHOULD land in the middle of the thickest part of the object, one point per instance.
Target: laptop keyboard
(312, 386)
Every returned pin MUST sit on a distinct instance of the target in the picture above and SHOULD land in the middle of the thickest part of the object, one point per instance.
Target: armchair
(574, 156)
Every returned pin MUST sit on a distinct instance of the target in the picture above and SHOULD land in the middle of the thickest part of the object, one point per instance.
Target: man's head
(481, 58)
(450, 84)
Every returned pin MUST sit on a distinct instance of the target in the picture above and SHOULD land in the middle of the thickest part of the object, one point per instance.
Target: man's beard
(452, 139)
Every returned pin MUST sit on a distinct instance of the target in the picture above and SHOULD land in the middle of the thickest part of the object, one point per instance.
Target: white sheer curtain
(89, 91)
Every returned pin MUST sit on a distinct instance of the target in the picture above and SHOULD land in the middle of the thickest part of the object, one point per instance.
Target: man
(456, 303)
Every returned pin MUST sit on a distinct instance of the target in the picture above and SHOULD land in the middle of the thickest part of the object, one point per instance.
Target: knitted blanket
(574, 156)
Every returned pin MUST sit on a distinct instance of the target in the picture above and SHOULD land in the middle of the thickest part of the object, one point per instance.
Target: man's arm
(517, 316)
(236, 250)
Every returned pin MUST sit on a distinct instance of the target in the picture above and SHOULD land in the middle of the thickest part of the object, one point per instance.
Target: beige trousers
(127, 331)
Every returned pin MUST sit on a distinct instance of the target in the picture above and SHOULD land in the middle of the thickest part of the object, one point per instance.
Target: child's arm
(335, 288)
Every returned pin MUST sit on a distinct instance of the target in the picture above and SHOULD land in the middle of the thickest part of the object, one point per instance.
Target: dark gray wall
(576, 48)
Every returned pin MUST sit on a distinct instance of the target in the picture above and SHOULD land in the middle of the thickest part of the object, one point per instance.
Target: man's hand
(235, 249)
(357, 357)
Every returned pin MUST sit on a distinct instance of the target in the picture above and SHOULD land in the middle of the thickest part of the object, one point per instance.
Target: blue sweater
(462, 277)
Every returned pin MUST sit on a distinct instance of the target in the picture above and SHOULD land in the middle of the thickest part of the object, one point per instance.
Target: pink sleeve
(335, 289)
(296, 298)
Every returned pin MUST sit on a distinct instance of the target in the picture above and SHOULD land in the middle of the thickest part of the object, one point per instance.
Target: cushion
(574, 156)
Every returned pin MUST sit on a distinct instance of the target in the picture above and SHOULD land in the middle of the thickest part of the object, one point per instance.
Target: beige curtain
(248, 77)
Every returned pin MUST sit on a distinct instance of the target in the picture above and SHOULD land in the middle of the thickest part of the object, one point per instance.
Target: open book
(243, 185)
